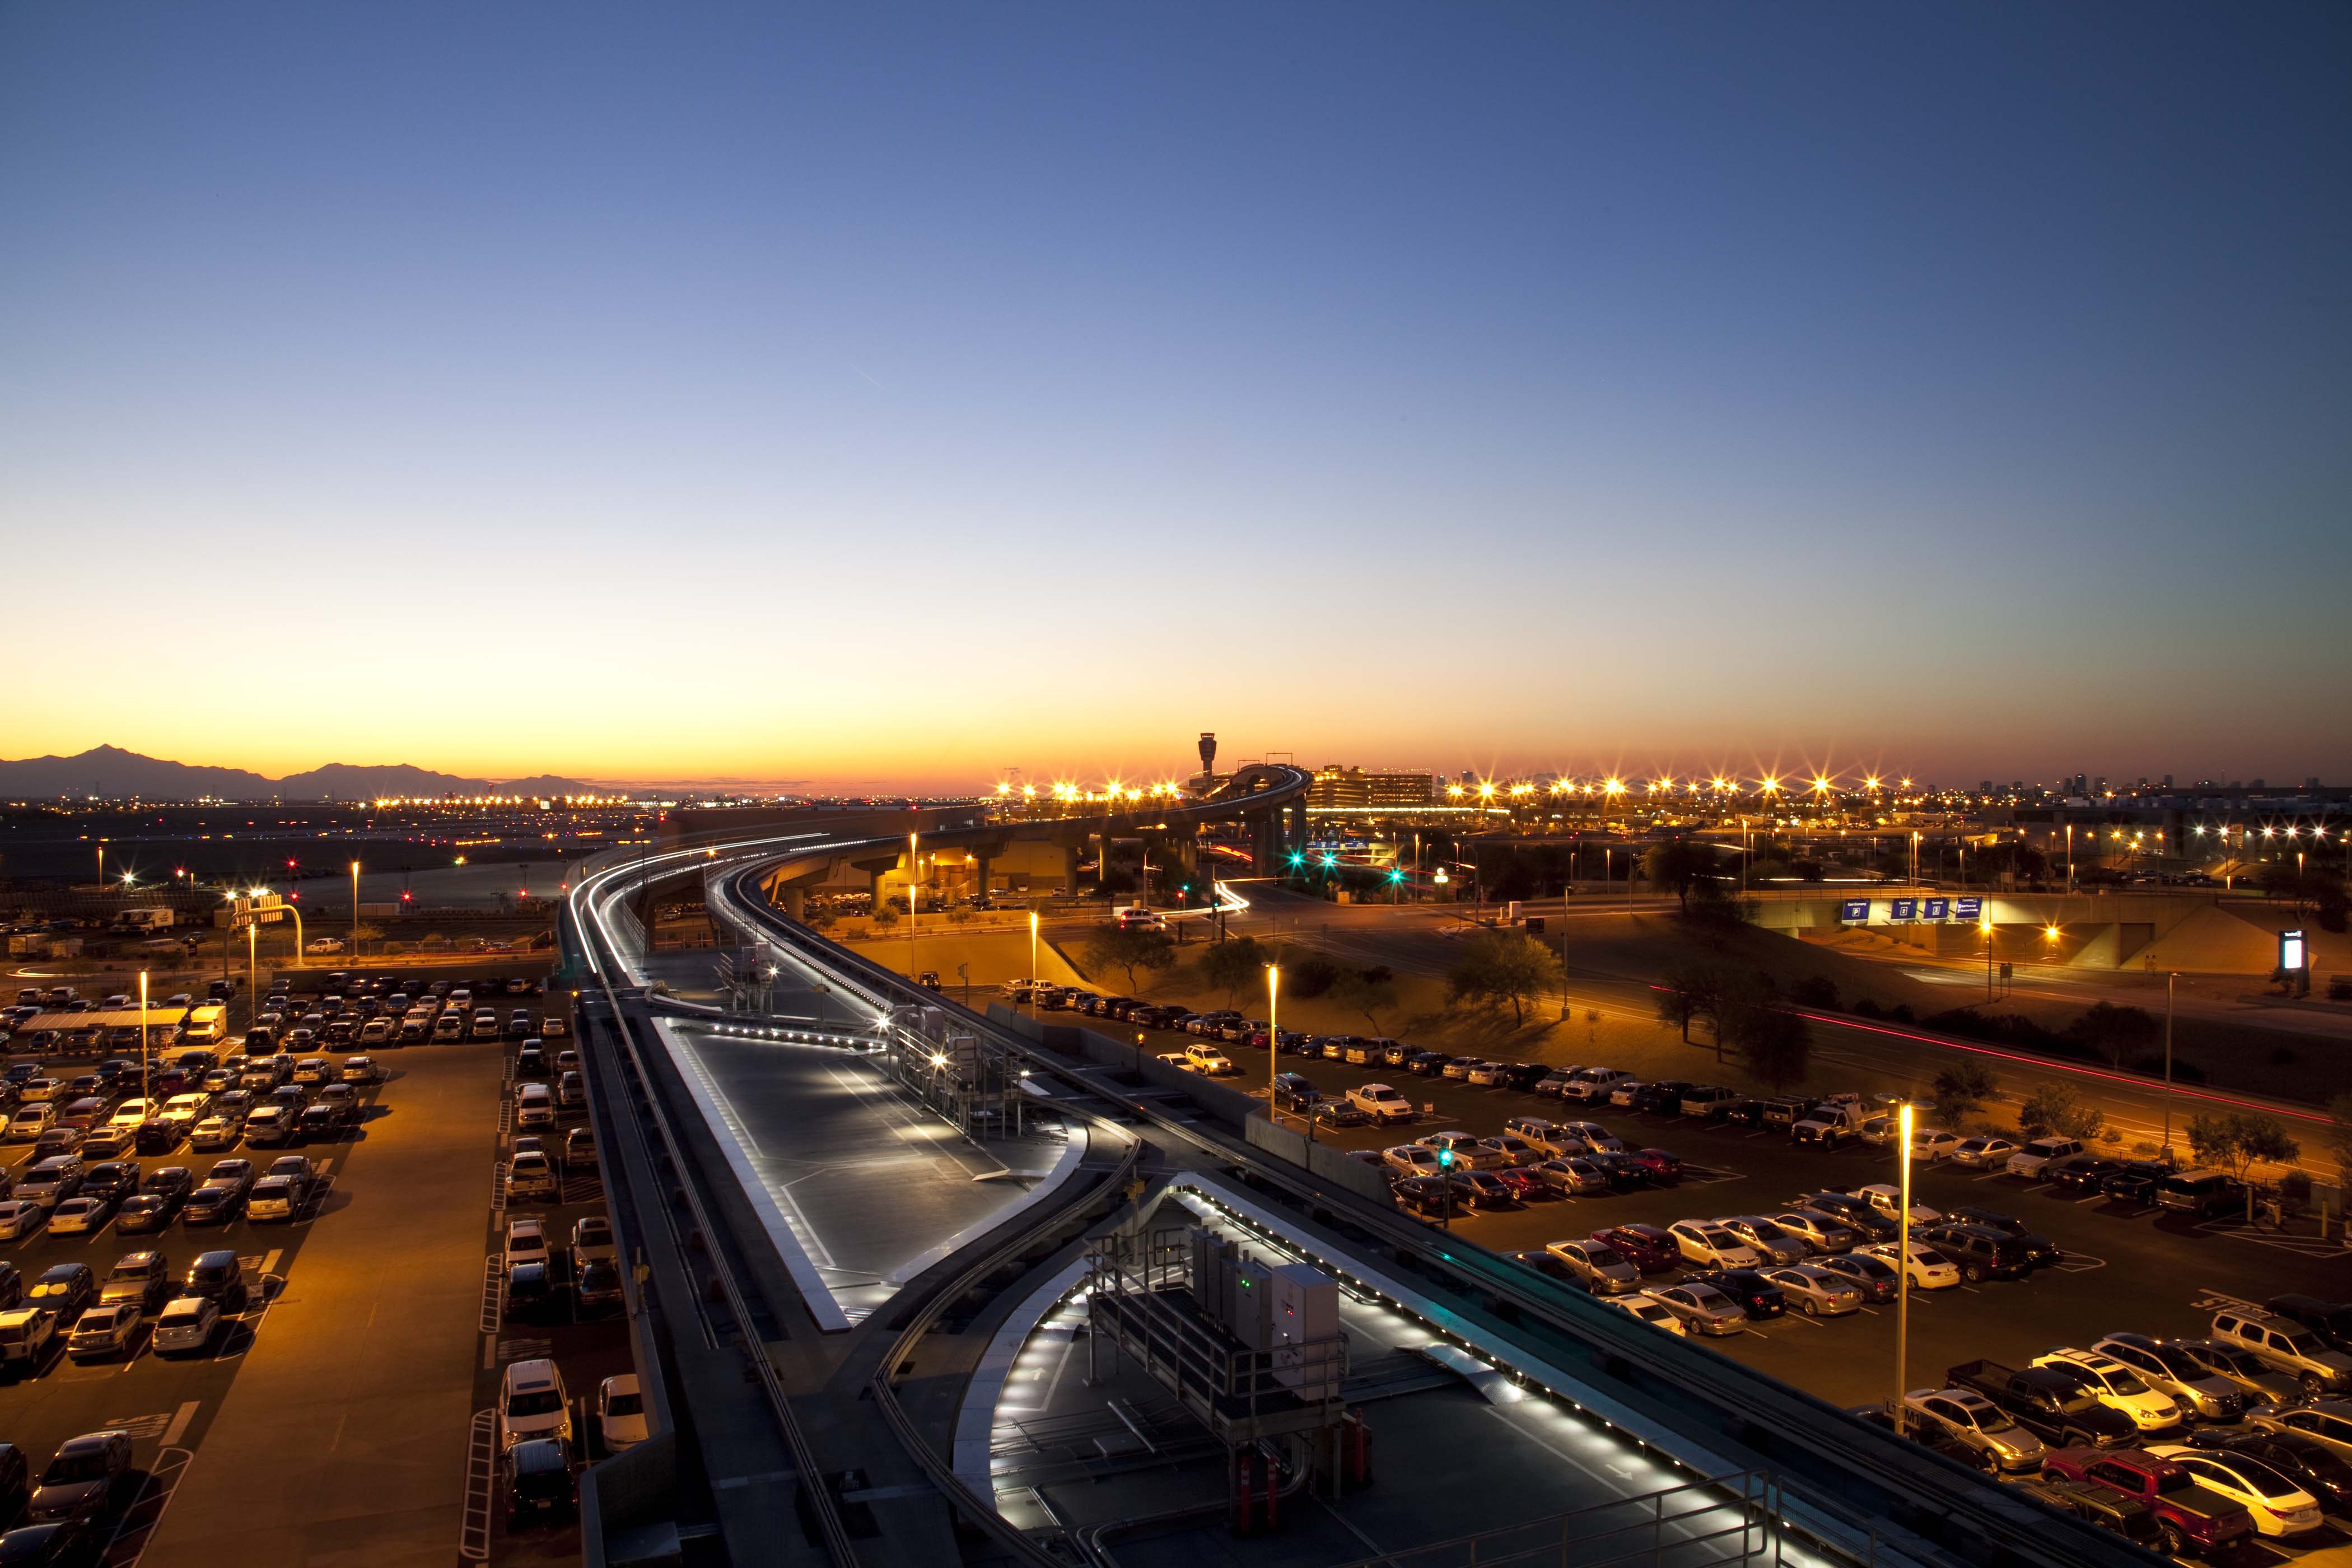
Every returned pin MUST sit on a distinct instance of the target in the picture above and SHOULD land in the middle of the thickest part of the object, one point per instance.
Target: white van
(2031, 1160)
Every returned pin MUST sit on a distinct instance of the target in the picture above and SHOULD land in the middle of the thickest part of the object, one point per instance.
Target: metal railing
(1731, 1518)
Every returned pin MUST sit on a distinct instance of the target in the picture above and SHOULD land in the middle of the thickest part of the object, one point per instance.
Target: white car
(103, 1331)
(324, 945)
(1771, 1243)
(1931, 1145)
(186, 1110)
(1586, 1085)
(1817, 1292)
(360, 1069)
(1411, 1160)
(2279, 1506)
(1650, 1309)
(1928, 1269)
(2116, 1386)
(526, 1242)
(130, 1113)
(1380, 1101)
(80, 1217)
(20, 1219)
(2037, 1155)
(591, 1241)
(621, 1412)
(1887, 1199)
(30, 1121)
(1210, 1061)
(187, 1324)
(534, 1107)
(1711, 1246)
(532, 1404)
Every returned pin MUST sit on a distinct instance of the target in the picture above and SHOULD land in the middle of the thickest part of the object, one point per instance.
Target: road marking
(129, 1542)
(270, 1259)
(141, 1428)
(474, 1524)
(180, 1419)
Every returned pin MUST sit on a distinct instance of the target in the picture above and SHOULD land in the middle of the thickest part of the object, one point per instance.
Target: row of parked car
(2186, 1444)
(69, 1307)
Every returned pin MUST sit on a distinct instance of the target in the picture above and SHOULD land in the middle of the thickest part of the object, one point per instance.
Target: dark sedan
(1661, 1099)
(1482, 1189)
(2083, 1173)
(1432, 1197)
(2040, 1252)
(2136, 1181)
(1756, 1296)
(211, 1206)
(1427, 1064)
(1625, 1172)
(1650, 1249)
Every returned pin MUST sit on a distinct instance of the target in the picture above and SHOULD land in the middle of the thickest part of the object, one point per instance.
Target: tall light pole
(1033, 949)
(1903, 1265)
(913, 870)
(355, 912)
(142, 1038)
(2170, 976)
(1274, 1045)
(1987, 928)
(252, 966)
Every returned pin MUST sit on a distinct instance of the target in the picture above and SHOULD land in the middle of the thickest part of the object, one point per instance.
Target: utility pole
(2171, 977)
(1903, 1269)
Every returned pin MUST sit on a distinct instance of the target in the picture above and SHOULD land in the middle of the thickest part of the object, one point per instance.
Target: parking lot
(2126, 1267)
(333, 1412)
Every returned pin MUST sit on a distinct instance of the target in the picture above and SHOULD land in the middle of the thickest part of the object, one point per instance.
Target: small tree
(1502, 966)
(1232, 964)
(2056, 1109)
(2116, 1033)
(1129, 948)
(1959, 1090)
(1366, 990)
(1688, 994)
(1676, 865)
(2238, 1141)
(1776, 1044)
(883, 917)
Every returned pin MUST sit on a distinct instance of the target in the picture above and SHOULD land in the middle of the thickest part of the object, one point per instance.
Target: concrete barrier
(1322, 1159)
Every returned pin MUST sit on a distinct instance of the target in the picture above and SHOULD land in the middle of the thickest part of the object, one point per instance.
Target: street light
(355, 908)
(1033, 949)
(143, 1037)
(1274, 1044)
(1903, 1265)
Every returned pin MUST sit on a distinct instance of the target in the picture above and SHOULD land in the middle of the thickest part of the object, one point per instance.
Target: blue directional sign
(1854, 909)
(1903, 909)
(1937, 909)
(1968, 908)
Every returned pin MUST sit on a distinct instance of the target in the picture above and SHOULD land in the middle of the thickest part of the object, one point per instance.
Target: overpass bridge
(846, 1377)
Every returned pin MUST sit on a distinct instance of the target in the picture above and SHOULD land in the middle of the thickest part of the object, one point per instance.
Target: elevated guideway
(1822, 1483)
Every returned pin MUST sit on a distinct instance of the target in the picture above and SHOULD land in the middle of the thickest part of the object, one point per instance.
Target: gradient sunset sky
(873, 394)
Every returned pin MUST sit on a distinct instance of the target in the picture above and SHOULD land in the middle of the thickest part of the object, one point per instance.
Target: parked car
(1979, 1426)
(1818, 1292)
(1652, 1249)
(1703, 1309)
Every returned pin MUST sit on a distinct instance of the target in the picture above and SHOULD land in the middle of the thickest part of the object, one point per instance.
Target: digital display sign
(1854, 909)
(1968, 908)
(1938, 908)
(2293, 954)
(1903, 909)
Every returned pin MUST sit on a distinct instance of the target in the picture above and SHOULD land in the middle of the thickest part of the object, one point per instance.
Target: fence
(1731, 1518)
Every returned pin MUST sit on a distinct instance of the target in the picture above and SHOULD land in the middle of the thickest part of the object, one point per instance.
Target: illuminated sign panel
(1938, 909)
(2293, 954)
(1854, 909)
(1968, 908)
(1903, 909)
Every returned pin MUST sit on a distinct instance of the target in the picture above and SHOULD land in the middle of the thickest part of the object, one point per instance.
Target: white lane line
(270, 1259)
(180, 1419)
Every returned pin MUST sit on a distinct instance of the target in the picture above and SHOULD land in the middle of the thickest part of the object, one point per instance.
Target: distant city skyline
(870, 396)
(1796, 777)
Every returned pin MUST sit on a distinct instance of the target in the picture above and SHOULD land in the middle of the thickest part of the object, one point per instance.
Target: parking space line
(137, 1527)
(180, 1419)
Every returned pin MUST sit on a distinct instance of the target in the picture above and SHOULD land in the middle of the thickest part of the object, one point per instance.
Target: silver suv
(2288, 1346)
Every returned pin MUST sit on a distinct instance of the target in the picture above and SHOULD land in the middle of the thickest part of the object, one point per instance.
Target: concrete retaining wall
(1322, 1159)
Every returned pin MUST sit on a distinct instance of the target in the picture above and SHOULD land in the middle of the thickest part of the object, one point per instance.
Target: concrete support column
(980, 864)
(873, 885)
(1069, 868)
(795, 902)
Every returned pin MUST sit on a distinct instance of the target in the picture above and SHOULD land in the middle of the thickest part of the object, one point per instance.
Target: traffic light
(1296, 859)
(1445, 1159)
(1396, 874)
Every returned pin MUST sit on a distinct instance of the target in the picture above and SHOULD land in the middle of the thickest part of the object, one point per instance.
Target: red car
(1665, 1168)
(1650, 1249)
(1525, 1183)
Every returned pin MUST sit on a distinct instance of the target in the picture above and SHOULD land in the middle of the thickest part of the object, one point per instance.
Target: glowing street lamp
(1903, 1118)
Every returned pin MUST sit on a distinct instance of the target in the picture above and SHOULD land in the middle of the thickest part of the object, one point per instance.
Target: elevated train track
(1851, 1490)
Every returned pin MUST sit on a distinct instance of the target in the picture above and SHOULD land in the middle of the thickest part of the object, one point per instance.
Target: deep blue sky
(865, 393)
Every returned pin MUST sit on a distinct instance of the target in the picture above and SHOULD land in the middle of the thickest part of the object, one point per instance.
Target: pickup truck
(1833, 1121)
(2049, 1405)
(2188, 1518)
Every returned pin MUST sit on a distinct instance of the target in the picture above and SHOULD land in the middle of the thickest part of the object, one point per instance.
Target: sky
(872, 395)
